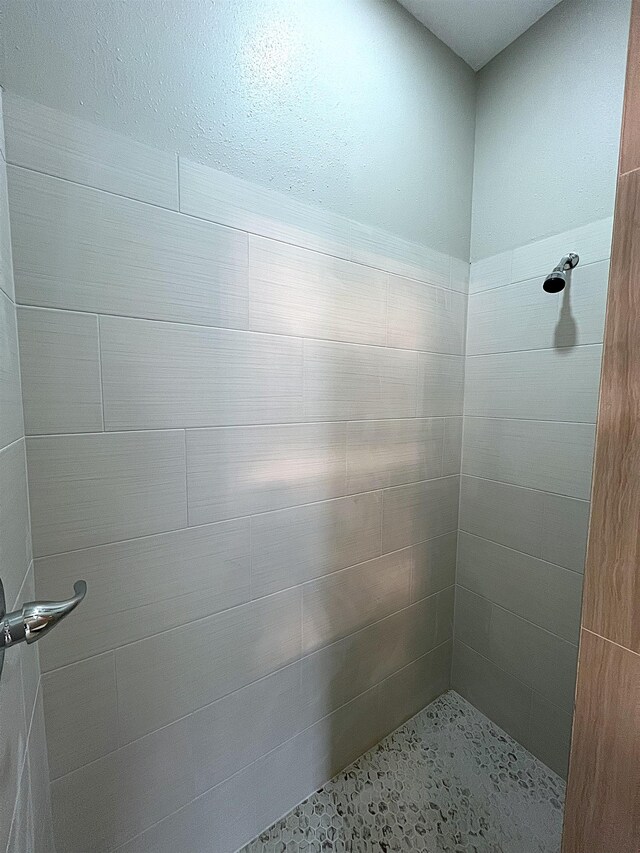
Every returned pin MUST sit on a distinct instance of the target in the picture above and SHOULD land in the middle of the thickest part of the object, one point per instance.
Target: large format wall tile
(337, 673)
(351, 382)
(60, 366)
(546, 595)
(80, 703)
(419, 511)
(440, 385)
(92, 489)
(68, 147)
(553, 527)
(6, 263)
(84, 249)
(102, 804)
(15, 538)
(346, 601)
(425, 318)
(522, 316)
(493, 691)
(230, 733)
(294, 291)
(549, 734)
(555, 457)
(550, 385)
(144, 586)
(219, 197)
(392, 452)
(539, 659)
(11, 420)
(163, 375)
(248, 470)
(291, 546)
(386, 251)
(491, 272)
(174, 673)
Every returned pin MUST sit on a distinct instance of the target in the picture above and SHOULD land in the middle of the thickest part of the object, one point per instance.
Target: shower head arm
(567, 262)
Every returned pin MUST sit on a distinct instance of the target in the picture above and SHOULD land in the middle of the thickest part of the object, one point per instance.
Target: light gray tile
(231, 814)
(551, 385)
(21, 836)
(565, 524)
(144, 586)
(414, 687)
(342, 670)
(540, 592)
(6, 263)
(84, 249)
(2, 145)
(440, 384)
(336, 741)
(419, 511)
(346, 601)
(434, 566)
(554, 457)
(60, 366)
(387, 252)
(487, 273)
(294, 545)
(159, 375)
(220, 197)
(105, 803)
(92, 489)
(193, 666)
(522, 316)
(460, 272)
(550, 735)
(39, 773)
(351, 382)
(537, 658)
(592, 242)
(81, 708)
(391, 452)
(420, 317)
(504, 699)
(510, 515)
(15, 535)
(452, 450)
(59, 144)
(229, 734)
(11, 422)
(247, 470)
(14, 741)
(294, 291)
(30, 659)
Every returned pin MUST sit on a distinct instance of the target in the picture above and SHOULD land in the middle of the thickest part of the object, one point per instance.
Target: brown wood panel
(603, 797)
(630, 143)
(612, 579)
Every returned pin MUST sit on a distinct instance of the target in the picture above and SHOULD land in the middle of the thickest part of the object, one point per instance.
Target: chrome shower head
(556, 280)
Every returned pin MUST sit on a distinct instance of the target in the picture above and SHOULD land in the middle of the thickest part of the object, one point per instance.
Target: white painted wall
(548, 127)
(348, 104)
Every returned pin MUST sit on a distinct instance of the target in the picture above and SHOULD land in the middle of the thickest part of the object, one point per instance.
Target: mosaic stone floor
(448, 781)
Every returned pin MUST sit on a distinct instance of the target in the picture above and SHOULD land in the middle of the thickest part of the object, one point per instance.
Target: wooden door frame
(602, 812)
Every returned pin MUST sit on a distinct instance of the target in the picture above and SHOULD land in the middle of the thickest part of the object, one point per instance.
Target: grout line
(534, 349)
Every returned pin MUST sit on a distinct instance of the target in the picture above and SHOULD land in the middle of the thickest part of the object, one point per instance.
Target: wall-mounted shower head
(556, 280)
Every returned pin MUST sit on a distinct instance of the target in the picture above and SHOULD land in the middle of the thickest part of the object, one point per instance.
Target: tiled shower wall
(531, 389)
(244, 430)
(25, 817)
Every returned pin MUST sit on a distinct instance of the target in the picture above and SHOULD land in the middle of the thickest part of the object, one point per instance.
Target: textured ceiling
(477, 30)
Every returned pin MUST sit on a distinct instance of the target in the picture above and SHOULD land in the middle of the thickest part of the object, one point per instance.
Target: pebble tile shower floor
(448, 781)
